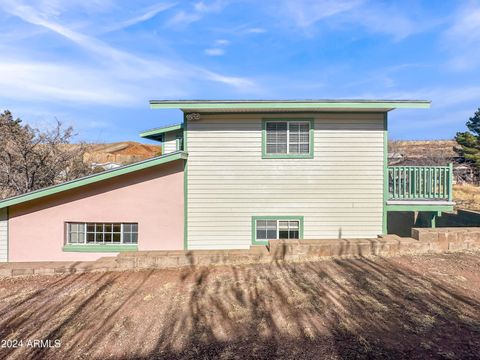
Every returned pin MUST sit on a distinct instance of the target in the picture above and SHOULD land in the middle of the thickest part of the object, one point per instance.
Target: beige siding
(170, 144)
(3, 235)
(339, 191)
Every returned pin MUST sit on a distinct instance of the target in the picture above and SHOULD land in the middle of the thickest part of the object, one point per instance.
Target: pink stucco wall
(151, 197)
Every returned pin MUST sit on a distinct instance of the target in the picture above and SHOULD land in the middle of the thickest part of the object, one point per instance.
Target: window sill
(99, 248)
(288, 156)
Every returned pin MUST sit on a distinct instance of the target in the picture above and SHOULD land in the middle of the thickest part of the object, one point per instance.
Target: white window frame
(85, 224)
(288, 122)
(278, 228)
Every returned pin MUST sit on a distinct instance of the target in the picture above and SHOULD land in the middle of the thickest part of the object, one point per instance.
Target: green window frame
(88, 233)
(100, 237)
(276, 218)
(288, 155)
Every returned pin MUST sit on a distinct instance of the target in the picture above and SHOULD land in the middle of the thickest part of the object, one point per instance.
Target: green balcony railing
(420, 182)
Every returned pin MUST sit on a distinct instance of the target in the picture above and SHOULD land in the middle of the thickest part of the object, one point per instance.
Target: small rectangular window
(277, 229)
(287, 138)
(102, 233)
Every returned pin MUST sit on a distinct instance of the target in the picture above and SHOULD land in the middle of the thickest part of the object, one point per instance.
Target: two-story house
(233, 174)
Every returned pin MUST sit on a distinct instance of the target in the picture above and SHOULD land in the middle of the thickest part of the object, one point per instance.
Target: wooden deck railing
(420, 182)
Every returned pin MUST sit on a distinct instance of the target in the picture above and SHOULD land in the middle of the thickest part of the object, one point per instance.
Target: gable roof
(269, 105)
(155, 134)
(90, 179)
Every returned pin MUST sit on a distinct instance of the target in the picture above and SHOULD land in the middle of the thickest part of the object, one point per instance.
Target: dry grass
(421, 148)
(467, 196)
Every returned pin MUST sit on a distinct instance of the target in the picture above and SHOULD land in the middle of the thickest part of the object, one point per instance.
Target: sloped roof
(90, 179)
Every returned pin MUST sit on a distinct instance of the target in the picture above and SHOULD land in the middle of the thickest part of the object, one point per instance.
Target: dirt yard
(410, 307)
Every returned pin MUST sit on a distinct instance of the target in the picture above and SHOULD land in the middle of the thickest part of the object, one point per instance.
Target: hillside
(120, 152)
(416, 149)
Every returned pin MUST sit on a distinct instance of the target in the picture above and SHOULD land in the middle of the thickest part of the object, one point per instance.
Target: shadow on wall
(361, 308)
(401, 222)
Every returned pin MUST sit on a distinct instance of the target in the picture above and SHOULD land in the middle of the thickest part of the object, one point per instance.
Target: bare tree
(31, 159)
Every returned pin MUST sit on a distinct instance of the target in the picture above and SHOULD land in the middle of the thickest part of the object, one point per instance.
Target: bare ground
(409, 307)
(467, 196)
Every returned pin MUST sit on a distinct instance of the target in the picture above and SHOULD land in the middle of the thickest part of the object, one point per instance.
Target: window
(102, 233)
(288, 229)
(287, 138)
(269, 228)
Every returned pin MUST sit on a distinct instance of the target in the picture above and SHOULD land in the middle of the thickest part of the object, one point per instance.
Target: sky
(95, 64)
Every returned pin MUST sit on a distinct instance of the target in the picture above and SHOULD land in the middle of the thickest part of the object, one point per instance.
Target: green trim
(289, 104)
(161, 130)
(8, 234)
(185, 187)
(294, 112)
(4, 216)
(288, 156)
(99, 248)
(283, 217)
(385, 175)
(93, 178)
(450, 182)
(419, 207)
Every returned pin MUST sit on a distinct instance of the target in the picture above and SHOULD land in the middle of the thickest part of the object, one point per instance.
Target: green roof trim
(127, 169)
(153, 133)
(289, 104)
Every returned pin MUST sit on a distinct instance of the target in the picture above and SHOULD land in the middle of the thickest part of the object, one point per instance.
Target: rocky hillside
(120, 153)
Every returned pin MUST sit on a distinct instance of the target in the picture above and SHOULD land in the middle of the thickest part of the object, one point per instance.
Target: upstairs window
(287, 138)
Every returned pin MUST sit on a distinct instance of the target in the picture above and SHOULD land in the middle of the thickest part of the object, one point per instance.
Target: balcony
(420, 188)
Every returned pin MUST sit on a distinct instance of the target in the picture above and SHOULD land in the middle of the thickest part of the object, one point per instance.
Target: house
(232, 175)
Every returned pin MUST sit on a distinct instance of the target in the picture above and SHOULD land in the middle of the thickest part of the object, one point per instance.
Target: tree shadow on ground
(365, 308)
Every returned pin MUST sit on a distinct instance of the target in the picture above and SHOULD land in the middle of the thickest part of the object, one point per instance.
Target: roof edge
(90, 179)
(289, 104)
(161, 130)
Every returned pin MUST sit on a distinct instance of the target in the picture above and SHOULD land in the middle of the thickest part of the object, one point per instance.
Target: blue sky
(94, 64)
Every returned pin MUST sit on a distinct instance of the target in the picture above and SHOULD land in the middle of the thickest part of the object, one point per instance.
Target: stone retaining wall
(423, 240)
(449, 238)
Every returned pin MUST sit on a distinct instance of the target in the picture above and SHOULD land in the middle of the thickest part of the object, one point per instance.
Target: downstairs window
(102, 233)
(269, 228)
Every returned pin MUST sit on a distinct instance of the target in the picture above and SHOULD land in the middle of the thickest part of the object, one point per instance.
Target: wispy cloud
(218, 49)
(222, 42)
(373, 16)
(114, 74)
(306, 13)
(214, 52)
(254, 30)
(148, 14)
(462, 38)
(196, 12)
(54, 82)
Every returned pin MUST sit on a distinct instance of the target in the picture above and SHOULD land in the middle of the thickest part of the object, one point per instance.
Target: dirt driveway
(409, 307)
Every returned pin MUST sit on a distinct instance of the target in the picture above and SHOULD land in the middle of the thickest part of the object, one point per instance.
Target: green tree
(469, 141)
